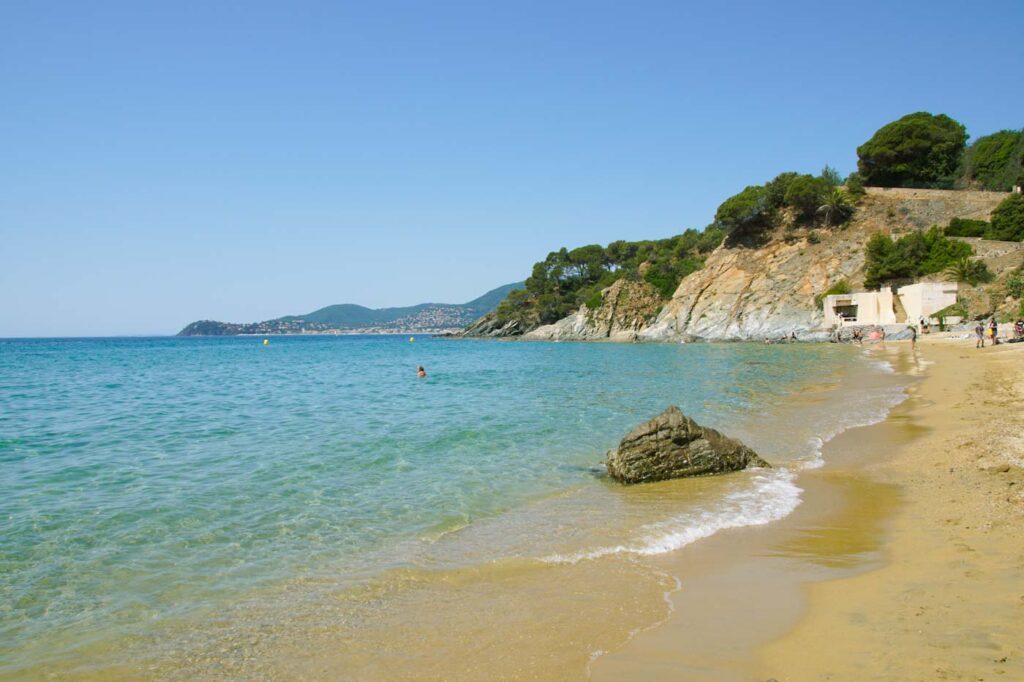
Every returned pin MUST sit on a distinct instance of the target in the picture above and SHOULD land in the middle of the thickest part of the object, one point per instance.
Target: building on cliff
(908, 304)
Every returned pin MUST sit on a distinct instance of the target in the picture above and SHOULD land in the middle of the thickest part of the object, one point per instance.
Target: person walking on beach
(979, 331)
(993, 330)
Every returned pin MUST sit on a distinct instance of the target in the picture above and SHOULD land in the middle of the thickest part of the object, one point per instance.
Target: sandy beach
(906, 560)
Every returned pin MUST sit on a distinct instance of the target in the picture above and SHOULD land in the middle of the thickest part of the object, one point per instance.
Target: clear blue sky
(164, 162)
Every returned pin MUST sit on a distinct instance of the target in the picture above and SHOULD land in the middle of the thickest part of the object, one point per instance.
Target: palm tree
(966, 270)
(836, 207)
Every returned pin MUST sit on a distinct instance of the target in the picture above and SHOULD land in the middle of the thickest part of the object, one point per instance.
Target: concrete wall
(873, 307)
(926, 298)
(877, 308)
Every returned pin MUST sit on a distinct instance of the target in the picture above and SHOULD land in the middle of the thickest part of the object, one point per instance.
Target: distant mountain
(349, 317)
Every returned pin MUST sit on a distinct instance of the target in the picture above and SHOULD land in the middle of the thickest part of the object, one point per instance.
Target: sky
(240, 161)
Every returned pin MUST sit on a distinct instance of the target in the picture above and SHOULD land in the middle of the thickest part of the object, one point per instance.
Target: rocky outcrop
(768, 292)
(674, 446)
(627, 307)
(492, 327)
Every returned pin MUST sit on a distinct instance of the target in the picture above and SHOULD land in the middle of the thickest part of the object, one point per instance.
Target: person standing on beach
(979, 331)
(993, 329)
(913, 337)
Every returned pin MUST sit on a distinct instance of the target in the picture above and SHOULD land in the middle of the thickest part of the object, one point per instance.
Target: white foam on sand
(871, 407)
(773, 495)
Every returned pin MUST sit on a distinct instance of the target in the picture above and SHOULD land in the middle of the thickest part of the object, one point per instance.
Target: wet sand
(905, 561)
(949, 602)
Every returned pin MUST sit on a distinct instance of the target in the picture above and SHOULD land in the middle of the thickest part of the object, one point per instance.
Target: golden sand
(949, 603)
(905, 562)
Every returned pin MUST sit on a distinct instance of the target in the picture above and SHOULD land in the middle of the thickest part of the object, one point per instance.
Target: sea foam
(773, 495)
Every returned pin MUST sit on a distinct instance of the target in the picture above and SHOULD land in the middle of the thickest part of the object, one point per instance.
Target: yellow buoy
(266, 342)
(412, 339)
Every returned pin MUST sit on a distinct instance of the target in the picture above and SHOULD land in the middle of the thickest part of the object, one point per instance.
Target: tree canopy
(995, 162)
(1008, 219)
(567, 279)
(911, 256)
(918, 150)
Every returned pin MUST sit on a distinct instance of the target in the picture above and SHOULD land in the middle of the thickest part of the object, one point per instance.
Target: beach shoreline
(904, 561)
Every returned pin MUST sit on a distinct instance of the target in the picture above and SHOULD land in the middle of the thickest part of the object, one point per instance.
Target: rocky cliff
(769, 292)
(626, 309)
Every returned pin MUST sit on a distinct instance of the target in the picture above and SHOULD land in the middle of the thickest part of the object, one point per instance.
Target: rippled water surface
(148, 479)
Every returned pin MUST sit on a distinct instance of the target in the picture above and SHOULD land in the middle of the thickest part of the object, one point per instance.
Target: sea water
(145, 482)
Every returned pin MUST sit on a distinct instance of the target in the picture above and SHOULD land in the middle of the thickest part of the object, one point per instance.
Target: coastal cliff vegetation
(897, 241)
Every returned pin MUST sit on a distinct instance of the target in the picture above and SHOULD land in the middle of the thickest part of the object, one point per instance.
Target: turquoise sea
(153, 481)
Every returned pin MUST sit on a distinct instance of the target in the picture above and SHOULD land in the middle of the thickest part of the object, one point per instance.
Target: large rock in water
(674, 446)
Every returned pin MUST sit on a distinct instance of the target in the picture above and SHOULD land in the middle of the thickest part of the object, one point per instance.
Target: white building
(908, 305)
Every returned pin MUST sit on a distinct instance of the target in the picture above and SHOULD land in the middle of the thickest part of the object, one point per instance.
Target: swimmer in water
(421, 373)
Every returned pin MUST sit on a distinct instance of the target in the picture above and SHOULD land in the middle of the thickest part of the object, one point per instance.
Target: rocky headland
(770, 290)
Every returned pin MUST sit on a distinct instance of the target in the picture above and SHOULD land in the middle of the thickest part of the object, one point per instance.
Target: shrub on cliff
(745, 215)
(967, 227)
(1008, 219)
(805, 194)
(855, 186)
(995, 162)
(972, 272)
(909, 257)
(840, 287)
(836, 207)
(567, 279)
(918, 150)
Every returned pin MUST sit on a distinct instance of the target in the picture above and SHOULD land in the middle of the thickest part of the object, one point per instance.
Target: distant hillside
(349, 317)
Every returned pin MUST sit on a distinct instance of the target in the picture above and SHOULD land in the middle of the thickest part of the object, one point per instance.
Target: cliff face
(626, 309)
(769, 292)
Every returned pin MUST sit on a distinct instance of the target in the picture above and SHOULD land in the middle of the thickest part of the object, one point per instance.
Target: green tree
(994, 162)
(831, 176)
(745, 214)
(966, 227)
(805, 194)
(964, 269)
(776, 188)
(836, 208)
(912, 256)
(1008, 219)
(918, 150)
(855, 186)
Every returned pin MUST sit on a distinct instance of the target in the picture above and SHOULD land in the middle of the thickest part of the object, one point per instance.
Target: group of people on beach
(991, 330)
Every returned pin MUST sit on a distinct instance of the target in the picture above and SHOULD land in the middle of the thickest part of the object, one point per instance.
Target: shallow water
(191, 490)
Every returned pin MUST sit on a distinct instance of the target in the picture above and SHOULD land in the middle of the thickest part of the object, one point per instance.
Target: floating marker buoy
(266, 342)
(412, 339)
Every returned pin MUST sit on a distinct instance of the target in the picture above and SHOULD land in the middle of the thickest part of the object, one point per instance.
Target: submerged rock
(674, 446)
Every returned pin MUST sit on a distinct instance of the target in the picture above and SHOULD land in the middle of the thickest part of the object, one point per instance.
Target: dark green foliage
(804, 194)
(836, 207)
(995, 162)
(972, 272)
(745, 214)
(917, 254)
(777, 187)
(840, 287)
(1015, 283)
(565, 280)
(855, 186)
(918, 150)
(1008, 219)
(966, 227)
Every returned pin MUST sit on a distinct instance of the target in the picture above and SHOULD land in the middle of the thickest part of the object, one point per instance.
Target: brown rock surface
(674, 446)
